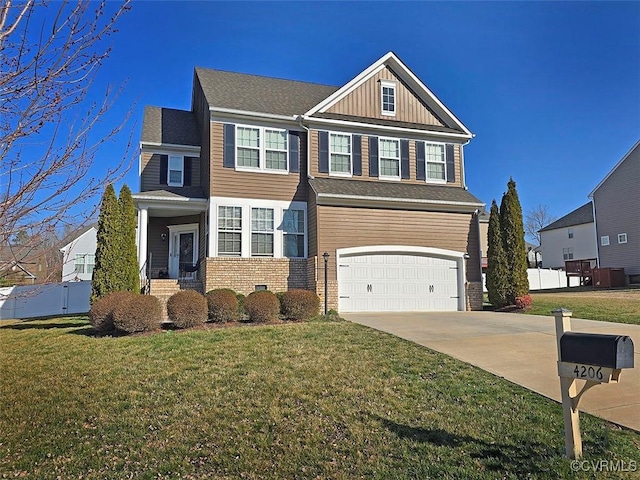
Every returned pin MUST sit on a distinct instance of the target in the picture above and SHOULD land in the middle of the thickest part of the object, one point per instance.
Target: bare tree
(50, 53)
(535, 219)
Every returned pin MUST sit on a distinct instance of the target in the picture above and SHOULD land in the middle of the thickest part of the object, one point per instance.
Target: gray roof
(581, 215)
(254, 93)
(177, 193)
(389, 123)
(392, 190)
(168, 125)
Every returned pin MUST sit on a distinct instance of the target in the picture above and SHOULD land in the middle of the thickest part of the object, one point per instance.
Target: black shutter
(294, 152)
(451, 165)
(421, 173)
(164, 167)
(187, 171)
(323, 152)
(404, 159)
(229, 156)
(357, 154)
(373, 156)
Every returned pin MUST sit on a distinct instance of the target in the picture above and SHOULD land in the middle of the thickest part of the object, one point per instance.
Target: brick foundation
(474, 296)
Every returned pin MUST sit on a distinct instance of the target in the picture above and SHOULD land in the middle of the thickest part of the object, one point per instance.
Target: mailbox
(611, 351)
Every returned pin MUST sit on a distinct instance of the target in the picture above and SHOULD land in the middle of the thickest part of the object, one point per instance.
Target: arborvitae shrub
(262, 306)
(223, 305)
(138, 313)
(101, 313)
(299, 304)
(187, 308)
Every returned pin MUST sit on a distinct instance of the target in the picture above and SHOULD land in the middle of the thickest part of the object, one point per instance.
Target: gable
(365, 101)
(625, 174)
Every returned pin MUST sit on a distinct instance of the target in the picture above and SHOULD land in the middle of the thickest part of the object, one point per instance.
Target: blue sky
(550, 89)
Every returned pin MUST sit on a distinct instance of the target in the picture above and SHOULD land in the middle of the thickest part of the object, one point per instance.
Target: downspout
(595, 230)
(300, 119)
(462, 172)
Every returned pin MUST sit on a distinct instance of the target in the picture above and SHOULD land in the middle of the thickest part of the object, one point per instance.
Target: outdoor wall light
(163, 236)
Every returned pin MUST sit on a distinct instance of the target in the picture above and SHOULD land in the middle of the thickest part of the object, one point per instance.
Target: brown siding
(151, 172)
(364, 101)
(616, 206)
(365, 163)
(226, 182)
(341, 227)
(312, 227)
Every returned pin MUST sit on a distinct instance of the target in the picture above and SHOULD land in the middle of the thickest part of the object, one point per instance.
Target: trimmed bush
(523, 302)
(101, 313)
(187, 308)
(223, 305)
(138, 313)
(299, 304)
(262, 306)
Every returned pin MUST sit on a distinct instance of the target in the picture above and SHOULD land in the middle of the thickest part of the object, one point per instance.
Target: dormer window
(388, 98)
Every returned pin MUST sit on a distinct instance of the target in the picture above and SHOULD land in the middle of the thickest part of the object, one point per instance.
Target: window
(79, 263)
(570, 232)
(389, 158)
(388, 97)
(622, 238)
(567, 253)
(435, 158)
(90, 262)
(175, 175)
(604, 240)
(268, 154)
(340, 154)
(262, 232)
(293, 226)
(230, 231)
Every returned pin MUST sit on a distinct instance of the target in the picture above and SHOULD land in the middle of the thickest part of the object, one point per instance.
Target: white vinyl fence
(543, 278)
(42, 300)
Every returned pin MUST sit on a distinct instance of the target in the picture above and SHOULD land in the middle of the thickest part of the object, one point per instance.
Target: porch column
(143, 219)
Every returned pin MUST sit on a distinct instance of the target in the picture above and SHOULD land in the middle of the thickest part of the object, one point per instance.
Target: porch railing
(145, 276)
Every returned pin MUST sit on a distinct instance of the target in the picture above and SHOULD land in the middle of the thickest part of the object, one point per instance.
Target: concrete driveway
(520, 348)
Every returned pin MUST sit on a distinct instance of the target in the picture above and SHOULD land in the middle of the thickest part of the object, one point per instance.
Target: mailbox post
(590, 357)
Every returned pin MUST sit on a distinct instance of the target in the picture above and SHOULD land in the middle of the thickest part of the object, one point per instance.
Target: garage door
(397, 283)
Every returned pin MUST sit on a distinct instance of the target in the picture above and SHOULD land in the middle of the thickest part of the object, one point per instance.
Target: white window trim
(624, 236)
(350, 172)
(219, 230)
(568, 253)
(389, 177)
(570, 233)
(262, 150)
(304, 232)
(169, 182)
(278, 206)
(387, 84)
(604, 240)
(426, 163)
(271, 232)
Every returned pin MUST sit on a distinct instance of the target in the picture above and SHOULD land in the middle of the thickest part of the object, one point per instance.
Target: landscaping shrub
(299, 304)
(137, 313)
(262, 306)
(187, 308)
(523, 302)
(101, 313)
(241, 297)
(223, 305)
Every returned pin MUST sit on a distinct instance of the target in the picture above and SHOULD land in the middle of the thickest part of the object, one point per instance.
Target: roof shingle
(168, 125)
(583, 214)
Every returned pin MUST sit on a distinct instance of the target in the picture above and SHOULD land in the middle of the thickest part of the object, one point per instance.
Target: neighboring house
(263, 176)
(79, 255)
(571, 237)
(22, 265)
(616, 203)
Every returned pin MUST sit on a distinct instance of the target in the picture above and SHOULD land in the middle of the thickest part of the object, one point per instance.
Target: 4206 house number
(588, 372)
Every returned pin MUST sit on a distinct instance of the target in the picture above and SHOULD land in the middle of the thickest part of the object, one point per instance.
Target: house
(79, 254)
(22, 265)
(616, 202)
(265, 179)
(571, 237)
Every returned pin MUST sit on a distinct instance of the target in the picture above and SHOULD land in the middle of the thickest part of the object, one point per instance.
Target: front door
(183, 250)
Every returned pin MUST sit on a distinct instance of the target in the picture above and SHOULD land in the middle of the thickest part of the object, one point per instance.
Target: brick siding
(474, 296)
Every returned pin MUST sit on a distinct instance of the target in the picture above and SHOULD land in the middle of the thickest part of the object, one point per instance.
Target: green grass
(294, 401)
(610, 309)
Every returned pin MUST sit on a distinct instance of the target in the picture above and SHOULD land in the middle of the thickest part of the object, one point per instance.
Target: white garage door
(397, 283)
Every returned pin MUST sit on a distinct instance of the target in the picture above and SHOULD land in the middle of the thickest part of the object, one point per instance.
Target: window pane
(340, 143)
(389, 148)
(262, 244)
(435, 153)
(79, 264)
(275, 139)
(276, 160)
(390, 168)
(340, 163)
(293, 245)
(175, 163)
(229, 218)
(435, 171)
(388, 99)
(293, 221)
(248, 137)
(262, 219)
(229, 243)
(248, 157)
(175, 176)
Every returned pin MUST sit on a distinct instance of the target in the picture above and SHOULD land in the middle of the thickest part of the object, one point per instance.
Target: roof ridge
(265, 76)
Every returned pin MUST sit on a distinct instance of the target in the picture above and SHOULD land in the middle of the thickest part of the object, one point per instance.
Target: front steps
(163, 288)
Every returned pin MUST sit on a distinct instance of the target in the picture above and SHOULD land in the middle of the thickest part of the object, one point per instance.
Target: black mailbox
(611, 351)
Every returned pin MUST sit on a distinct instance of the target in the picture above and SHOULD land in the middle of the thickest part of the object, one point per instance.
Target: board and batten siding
(343, 227)
(151, 172)
(365, 101)
(617, 204)
(227, 182)
(313, 164)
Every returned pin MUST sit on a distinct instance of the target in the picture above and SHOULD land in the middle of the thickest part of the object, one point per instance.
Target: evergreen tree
(513, 242)
(128, 262)
(497, 270)
(106, 278)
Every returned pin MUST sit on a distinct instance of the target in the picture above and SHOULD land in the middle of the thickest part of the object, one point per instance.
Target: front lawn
(303, 400)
